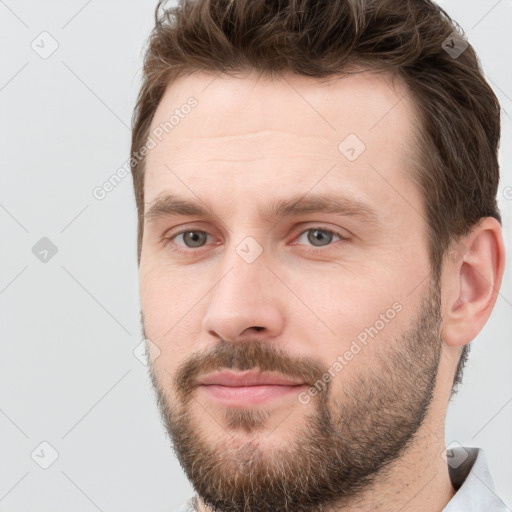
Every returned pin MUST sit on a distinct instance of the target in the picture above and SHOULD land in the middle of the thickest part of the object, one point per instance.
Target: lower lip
(248, 395)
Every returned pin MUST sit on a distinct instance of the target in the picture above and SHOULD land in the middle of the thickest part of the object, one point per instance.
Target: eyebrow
(169, 205)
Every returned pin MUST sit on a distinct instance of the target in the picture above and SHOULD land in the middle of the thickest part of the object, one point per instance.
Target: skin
(250, 140)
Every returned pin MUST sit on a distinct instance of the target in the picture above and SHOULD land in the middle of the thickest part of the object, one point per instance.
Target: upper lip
(247, 378)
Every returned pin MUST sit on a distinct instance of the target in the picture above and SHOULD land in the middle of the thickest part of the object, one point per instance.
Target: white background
(68, 375)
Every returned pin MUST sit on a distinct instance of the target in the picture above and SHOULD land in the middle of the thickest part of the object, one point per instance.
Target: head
(316, 189)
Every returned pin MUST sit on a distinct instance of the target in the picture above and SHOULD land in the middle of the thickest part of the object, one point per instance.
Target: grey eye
(193, 239)
(319, 237)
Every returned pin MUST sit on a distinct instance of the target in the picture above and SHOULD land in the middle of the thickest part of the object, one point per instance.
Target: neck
(417, 482)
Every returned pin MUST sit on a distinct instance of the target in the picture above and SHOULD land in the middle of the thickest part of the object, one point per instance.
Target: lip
(247, 378)
(242, 389)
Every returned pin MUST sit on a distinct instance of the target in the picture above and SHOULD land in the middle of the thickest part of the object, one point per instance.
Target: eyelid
(182, 228)
(304, 226)
(341, 232)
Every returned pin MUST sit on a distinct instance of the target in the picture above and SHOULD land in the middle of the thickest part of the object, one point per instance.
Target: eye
(320, 237)
(192, 238)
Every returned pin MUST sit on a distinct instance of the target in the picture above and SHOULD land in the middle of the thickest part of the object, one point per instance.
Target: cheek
(347, 320)
(347, 303)
(169, 313)
(166, 294)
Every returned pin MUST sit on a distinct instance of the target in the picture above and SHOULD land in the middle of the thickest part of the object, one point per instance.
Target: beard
(344, 443)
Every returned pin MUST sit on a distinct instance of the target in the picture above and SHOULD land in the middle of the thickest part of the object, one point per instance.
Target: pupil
(318, 235)
(194, 237)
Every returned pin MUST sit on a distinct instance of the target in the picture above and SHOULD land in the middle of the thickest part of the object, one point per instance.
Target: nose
(245, 302)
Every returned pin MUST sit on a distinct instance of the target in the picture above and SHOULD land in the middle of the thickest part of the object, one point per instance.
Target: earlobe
(475, 278)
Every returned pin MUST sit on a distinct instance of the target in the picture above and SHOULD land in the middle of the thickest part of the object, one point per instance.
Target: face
(285, 286)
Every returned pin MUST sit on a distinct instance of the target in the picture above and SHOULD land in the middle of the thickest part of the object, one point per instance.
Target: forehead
(358, 101)
(253, 134)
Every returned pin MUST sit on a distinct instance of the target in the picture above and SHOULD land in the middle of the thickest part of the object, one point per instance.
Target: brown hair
(458, 171)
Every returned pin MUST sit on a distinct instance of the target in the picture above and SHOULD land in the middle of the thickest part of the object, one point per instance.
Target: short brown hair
(457, 144)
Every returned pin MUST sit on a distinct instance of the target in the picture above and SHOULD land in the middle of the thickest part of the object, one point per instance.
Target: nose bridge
(243, 296)
(245, 273)
(244, 265)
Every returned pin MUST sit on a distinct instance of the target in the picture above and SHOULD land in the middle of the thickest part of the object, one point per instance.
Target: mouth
(244, 389)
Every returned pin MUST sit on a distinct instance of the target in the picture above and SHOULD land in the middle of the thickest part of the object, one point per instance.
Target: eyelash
(191, 250)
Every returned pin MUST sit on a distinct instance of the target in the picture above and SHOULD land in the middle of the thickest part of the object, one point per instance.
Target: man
(319, 242)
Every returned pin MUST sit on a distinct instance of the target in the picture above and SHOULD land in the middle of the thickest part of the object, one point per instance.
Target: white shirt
(473, 484)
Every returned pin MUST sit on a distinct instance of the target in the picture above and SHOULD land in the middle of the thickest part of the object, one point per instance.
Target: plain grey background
(70, 324)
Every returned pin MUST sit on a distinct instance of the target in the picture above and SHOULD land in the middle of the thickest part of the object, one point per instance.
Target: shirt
(473, 483)
(471, 479)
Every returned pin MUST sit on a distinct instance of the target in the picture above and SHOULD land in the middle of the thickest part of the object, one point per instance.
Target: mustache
(253, 355)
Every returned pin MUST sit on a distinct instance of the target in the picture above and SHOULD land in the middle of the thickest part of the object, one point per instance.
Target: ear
(472, 277)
